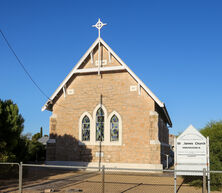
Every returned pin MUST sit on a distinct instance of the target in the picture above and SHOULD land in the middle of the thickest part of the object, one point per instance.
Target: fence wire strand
(57, 178)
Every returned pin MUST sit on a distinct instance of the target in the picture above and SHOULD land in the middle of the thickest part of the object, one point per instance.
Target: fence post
(208, 181)
(175, 181)
(20, 177)
(204, 180)
(103, 179)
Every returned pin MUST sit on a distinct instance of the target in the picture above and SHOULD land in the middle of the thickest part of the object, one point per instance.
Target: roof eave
(167, 116)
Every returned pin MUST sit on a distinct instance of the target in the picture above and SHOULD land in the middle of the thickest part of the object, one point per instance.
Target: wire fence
(31, 178)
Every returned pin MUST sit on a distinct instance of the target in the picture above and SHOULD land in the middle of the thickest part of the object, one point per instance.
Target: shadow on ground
(66, 148)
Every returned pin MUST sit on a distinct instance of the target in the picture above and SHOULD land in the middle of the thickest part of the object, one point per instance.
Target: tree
(36, 136)
(214, 131)
(11, 127)
(14, 146)
(41, 133)
(36, 150)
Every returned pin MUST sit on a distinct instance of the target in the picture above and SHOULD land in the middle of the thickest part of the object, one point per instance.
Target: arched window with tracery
(114, 128)
(100, 125)
(85, 128)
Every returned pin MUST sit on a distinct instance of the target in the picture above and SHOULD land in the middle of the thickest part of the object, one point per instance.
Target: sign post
(208, 166)
(192, 154)
(175, 162)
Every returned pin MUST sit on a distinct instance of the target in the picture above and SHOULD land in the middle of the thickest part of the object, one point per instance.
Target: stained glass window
(114, 128)
(86, 129)
(100, 125)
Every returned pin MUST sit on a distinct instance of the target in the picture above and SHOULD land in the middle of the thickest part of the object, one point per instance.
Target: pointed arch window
(85, 128)
(114, 128)
(100, 125)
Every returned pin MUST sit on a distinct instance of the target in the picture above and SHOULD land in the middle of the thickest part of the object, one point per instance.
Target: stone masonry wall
(164, 139)
(139, 124)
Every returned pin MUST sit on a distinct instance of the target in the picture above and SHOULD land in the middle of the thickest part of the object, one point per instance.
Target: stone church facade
(102, 113)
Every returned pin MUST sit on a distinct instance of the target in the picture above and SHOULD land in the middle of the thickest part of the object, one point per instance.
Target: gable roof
(75, 70)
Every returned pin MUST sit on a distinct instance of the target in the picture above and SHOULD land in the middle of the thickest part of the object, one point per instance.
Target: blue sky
(175, 47)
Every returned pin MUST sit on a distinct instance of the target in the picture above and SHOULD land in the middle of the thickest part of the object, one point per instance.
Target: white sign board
(191, 152)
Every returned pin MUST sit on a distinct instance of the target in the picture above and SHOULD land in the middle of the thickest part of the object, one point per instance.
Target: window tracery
(100, 125)
(114, 128)
(85, 128)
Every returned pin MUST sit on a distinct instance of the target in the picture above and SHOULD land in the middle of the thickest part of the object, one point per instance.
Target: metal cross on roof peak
(99, 25)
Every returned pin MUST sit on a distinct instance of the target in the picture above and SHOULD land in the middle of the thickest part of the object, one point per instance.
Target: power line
(37, 86)
(27, 73)
(22, 65)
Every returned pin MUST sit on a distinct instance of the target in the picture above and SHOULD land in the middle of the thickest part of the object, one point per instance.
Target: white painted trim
(80, 129)
(155, 142)
(108, 165)
(110, 57)
(64, 91)
(139, 89)
(91, 56)
(44, 107)
(133, 88)
(153, 113)
(70, 91)
(120, 128)
(99, 57)
(98, 41)
(103, 69)
(101, 63)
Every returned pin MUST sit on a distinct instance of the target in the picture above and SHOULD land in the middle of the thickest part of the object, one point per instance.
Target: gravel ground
(39, 180)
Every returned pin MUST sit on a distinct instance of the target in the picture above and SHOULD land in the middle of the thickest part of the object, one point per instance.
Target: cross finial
(99, 25)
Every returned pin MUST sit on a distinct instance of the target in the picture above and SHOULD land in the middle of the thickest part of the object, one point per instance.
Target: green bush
(15, 147)
(11, 127)
(214, 131)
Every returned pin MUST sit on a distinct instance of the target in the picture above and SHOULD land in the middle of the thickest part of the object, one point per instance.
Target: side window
(114, 128)
(100, 125)
(85, 128)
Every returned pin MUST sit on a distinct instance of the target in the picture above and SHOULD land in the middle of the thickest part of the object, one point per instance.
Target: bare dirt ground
(38, 180)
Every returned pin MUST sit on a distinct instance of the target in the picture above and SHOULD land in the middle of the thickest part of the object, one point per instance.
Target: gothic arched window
(114, 128)
(85, 128)
(100, 125)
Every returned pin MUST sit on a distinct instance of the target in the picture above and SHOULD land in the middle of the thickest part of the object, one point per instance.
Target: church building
(103, 114)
